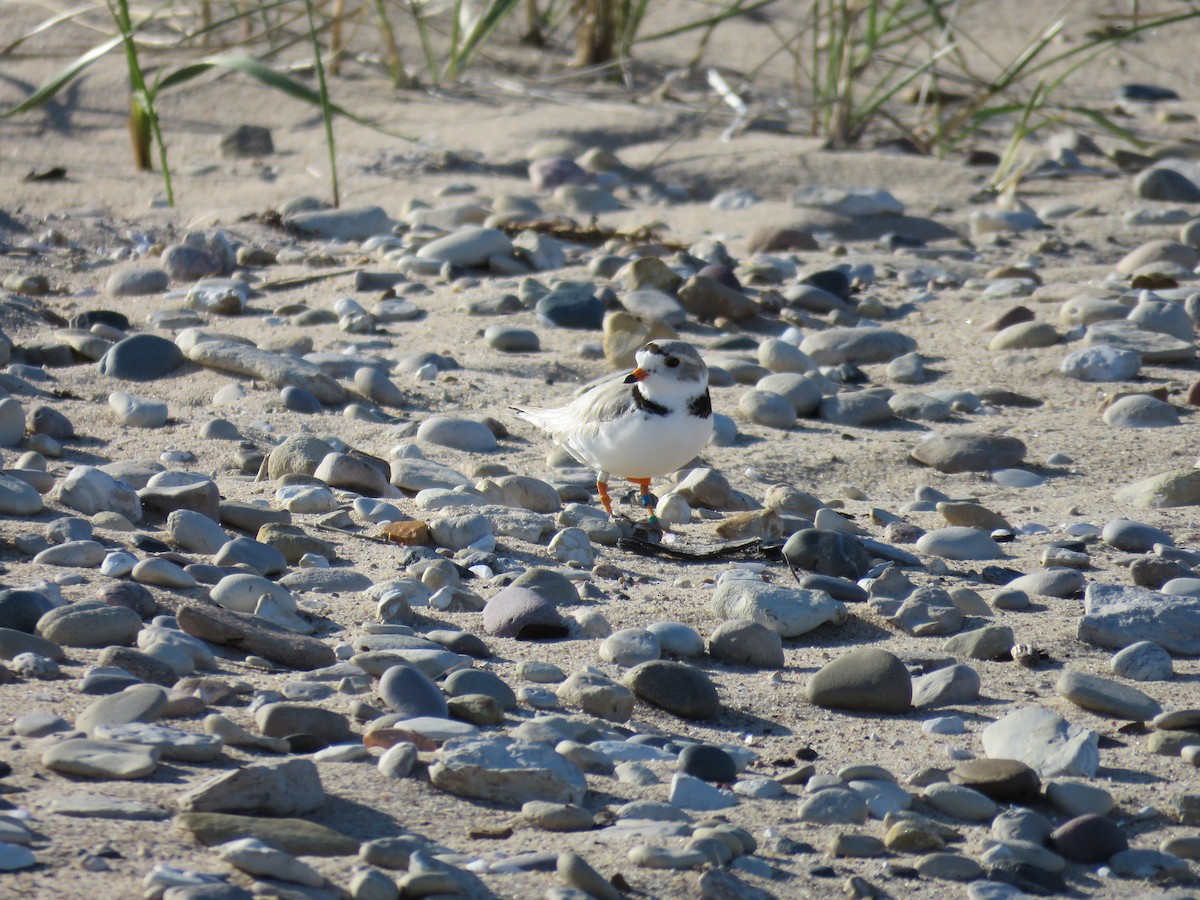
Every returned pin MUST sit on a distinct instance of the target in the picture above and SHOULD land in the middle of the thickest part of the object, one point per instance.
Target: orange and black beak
(636, 375)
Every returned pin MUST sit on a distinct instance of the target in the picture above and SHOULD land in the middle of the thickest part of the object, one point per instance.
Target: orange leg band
(602, 490)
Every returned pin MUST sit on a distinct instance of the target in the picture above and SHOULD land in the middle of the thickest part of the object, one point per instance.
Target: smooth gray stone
(172, 743)
(195, 532)
(802, 391)
(1107, 697)
(834, 806)
(88, 623)
(470, 247)
(273, 368)
(14, 643)
(1101, 364)
(325, 581)
(421, 474)
(457, 433)
(288, 788)
(960, 451)
(1057, 582)
(355, 223)
(835, 346)
(139, 703)
(859, 409)
(866, 679)
(1141, 411)
(18, 498)
(1044, 741)
(789, 611)
(74, 554)
(262, 558)
(101, 759)
(506, 771)
(1117, 616)
(1143, 661)
(12, 422)
(408, 692)
(1134, 537)
(90, 490)
(98, 806)
(959, 542)
(766, 408)
(948, 686)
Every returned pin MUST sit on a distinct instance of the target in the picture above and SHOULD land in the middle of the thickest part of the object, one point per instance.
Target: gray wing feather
(585, 414)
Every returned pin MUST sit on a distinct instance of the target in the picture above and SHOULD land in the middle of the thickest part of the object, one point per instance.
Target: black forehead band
(656, 350)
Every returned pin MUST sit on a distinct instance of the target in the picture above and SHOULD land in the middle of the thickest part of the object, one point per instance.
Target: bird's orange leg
(647, 500)
(602, 490)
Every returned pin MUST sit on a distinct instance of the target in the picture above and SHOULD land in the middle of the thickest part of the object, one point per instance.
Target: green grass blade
(47, 91)
(426, 44)
(44, 26)
(1109, 125)
(323, 99)
(717, 19)
(258, 8)
(260, 71)
(488, 21)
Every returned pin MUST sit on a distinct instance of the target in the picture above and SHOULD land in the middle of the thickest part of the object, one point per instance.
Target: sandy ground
(503, 109)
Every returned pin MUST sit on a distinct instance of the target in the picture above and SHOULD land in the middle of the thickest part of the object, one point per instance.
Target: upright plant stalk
(326, 108)
(395, 63)
(336, 45)
(143, 119)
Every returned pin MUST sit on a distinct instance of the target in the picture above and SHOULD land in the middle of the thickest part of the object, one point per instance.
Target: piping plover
(648, 423)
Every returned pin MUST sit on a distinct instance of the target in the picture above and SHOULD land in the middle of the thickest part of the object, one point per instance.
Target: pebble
(788, 611)
(1043, 741)
(630, 646)
(1140, 411)
(137, 412)
(834, 806)
(350, 223)
(959, 543)
(960, 802)
(678, 688)
(868, 680)
(1107, 697)
(90, 624)
(1143, 661)
(767, 408)
(141, 357)
(459, 434)
(102, 760)
(746, 643)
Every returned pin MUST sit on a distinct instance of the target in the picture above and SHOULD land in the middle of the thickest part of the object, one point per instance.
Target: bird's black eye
(672, 362)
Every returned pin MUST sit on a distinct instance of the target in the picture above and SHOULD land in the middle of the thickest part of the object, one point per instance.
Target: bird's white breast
(643, 445)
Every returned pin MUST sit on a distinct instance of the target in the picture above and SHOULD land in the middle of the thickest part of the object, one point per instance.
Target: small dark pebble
(150, 545)
(1145, 93)
(1028, 878)
(847, 373)
(85, 320)
(707, 762)
(306, 743)
(833, 281)
(892, 241)
(982, 158)
(999, 574)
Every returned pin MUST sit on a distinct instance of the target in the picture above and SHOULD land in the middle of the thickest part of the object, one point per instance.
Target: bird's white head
(669, 368)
